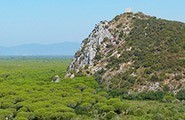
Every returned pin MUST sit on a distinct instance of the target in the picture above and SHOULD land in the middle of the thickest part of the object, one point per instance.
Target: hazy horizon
(48, 22)
(63, 48)
(23, 44)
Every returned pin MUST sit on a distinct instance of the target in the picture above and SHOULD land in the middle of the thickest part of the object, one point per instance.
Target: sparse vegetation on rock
(134, 52)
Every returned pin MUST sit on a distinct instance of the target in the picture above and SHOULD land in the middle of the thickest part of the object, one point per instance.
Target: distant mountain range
(65, 48)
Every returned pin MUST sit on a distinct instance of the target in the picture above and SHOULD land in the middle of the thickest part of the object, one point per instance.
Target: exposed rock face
(85, 56)
(132, 52)
(56, 79)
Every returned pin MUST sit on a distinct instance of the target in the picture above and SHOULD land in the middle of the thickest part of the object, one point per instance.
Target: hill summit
(134, 52)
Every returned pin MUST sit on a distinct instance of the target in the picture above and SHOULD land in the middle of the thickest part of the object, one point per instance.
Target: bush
(158, 116)
(168, 98)
(139, 112)
(84, 108)
(7, 104)
(103, 93)
(106, 108)
(101, 99)
(111, 115)
(118, 105)
(181, 94)
(1, 80)
(8, 113)
(90, 100)
(152, 95)
(27, 115)
(67, 115)
(111, 101)
(81, 86)
(62, 108)
(154, 78)
(54, 116)
(136, 111)
(72, 103)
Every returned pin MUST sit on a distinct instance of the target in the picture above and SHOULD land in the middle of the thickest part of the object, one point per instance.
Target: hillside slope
(134, 52)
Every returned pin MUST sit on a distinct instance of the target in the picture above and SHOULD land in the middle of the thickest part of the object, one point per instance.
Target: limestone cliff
(85, 56)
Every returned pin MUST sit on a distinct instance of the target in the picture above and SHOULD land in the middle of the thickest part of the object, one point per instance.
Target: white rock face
(56, 79)
(89, 47)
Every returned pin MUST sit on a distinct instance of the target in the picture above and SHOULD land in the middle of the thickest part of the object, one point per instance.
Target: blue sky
(53, 21)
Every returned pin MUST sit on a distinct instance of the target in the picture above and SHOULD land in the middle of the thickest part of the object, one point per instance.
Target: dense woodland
(27, 93)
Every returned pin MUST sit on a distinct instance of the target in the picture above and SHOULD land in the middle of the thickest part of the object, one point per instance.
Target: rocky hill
(134, 52)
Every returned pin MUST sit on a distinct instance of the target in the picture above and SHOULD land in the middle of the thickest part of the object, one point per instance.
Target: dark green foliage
(181, 94)
(152, 95)
(111, 115)
(154, 78)
(98, 57)
(84, 108)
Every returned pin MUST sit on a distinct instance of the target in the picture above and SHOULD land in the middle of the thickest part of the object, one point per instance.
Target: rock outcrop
(134, 52)
(56, 79)
(85, 56)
